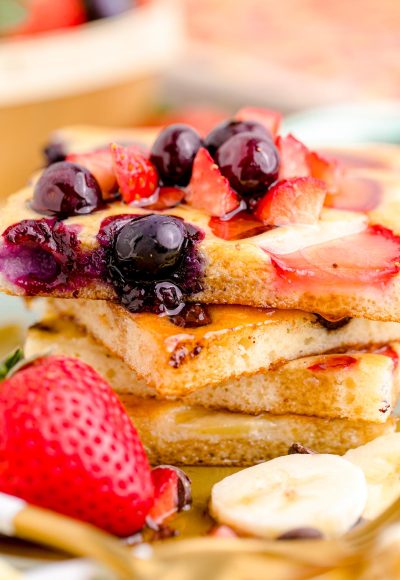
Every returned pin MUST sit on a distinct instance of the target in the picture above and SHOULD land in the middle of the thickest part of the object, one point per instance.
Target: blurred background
(332, 66)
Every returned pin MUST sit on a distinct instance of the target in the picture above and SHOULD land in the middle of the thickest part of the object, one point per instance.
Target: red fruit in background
(136, 175)
(222, 532)
(67, 444)
(208, 189)
(167, 197)
(369, 257)
(172, 494)
(294, 158)
(47, 15)
(355, 193)
(201, 118)
(292, 201)
(270, 119)
(325, 169)
(100, 165)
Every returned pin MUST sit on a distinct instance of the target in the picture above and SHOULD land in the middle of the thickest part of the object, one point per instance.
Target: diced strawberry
(333, 363)
(323, 168)
(270, 119)
(292, 201)
(46, 15)
(208, 189)
(172, 494)
(294, 158)
(222, 532)
(242, 225)
(369, 257)
(136, 175)
(167, 197)
(355, 193)
(99, 163)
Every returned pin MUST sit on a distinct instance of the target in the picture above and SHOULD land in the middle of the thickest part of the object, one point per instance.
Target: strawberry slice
(292, 201)
(136, 175)
(208, 189)
(355, 194)
(333, 363)
(294, 158)
(172, 494)
(242, 225)
(369, 257)
(167, 197)
(270, 119)
(99, 163)
(322, 168)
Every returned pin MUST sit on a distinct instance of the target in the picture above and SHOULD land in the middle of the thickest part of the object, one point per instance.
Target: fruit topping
(151, 261)
(294, 158)
(96, 9)
(271, 120)
(136, 175)
(355, 193)
(319, 491)
(242, 225)
(99, 163)
(323, 168)
(228, 129)
(65, 189)
(297, 200)
(387, 350)
(172, 494)
(54, 152)
(222, 532)
(38, 254)
(208, 190)
(168, 197)
(333, 363)
(78, 452)
(173, 153)
(149, 247)
(192, 315)
(369, 257)
(332, 323)
(249, 162)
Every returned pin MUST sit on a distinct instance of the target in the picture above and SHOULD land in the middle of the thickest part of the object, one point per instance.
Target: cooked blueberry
(170, 297)
(66, 189)
(228, 129)
(192, 316)
(249, 162)
(149, 247)
(96, 9)
(173, 153)
(54, 152)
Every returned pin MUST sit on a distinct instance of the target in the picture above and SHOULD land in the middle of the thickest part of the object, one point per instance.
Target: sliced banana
(380, 461)
(319, 491)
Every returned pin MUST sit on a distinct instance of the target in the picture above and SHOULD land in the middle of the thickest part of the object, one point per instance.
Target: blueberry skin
(149, 247)
(228, 129)
(173, 153)
(250, 163)
(66, 189)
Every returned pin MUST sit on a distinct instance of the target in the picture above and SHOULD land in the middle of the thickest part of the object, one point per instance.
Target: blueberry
(54, 152)
(149, 247)
(228, 129)
(192, 316)
(249, 162)
(66, 189)
(170, 298)
(96, 9)
(173, 153)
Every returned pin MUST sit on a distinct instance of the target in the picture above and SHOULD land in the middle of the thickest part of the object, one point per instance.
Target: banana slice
(319, 491)
(380, 461)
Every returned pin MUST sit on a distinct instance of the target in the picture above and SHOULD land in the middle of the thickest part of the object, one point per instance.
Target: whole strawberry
(67, 444)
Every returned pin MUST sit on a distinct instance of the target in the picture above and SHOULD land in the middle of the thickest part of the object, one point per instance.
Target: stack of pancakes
(253, 381)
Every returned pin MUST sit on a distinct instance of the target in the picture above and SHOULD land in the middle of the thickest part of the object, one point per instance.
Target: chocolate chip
(297, 448)
(302, 534)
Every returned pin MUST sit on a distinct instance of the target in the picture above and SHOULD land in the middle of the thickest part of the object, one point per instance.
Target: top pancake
(339, 267)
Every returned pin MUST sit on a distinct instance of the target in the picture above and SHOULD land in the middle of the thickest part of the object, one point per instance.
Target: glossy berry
(173, 153)
(228, 129)
(66, 189)
(54, 152)
(192, 315)
(250, 163)
(78, 452)
(170, 297)
(149, 247)
(96, 9)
